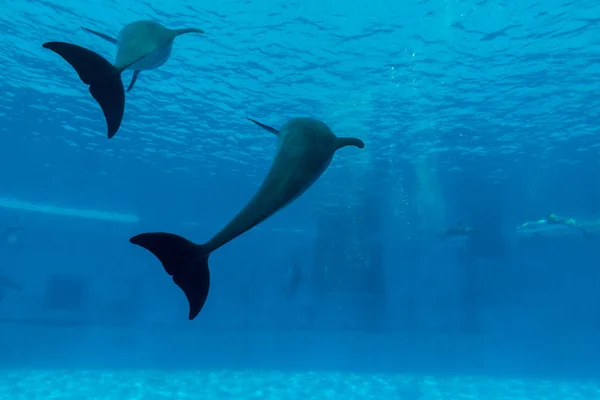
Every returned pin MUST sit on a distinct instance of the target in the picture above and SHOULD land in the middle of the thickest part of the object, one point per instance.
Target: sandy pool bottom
(277, 385)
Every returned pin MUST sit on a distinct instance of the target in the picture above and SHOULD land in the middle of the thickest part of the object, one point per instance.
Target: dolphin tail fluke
(344, 141)
(103, 78)
(185, 261)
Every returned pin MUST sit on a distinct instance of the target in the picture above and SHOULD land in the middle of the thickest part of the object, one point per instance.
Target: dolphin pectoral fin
(266, 127)
(343, 142)
(102, 35)
(188, 30)
(185, 261)
(133, 79)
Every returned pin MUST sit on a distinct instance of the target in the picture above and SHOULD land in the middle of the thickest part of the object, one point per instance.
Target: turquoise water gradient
(460, 91)
(500, 78)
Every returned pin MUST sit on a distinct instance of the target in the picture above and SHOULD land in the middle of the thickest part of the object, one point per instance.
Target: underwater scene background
(456, 256)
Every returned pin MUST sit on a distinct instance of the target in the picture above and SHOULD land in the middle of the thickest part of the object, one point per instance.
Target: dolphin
(305, 149)
(142, 45)
(294, 276)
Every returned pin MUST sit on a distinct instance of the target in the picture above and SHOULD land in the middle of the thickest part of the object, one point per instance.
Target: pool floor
(67, 384)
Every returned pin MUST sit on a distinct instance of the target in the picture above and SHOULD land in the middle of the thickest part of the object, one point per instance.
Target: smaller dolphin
(305, 150)
(142, 45)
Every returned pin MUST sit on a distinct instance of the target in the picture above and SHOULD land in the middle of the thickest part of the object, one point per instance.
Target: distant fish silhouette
(457, 232)
(6, 283)
(294, 277)
(66, 293)
(12, 232)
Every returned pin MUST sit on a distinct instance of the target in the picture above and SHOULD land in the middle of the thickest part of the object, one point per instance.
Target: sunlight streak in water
(17, 204)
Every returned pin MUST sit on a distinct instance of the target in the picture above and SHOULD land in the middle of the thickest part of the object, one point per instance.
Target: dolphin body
(141, 46)
(305, 149)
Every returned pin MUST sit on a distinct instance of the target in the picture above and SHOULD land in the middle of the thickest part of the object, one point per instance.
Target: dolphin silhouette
(142, 45)
(305, 150)
(459, 231)
(294, 276)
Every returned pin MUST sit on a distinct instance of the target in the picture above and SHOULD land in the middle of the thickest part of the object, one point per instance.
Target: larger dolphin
(305, 149)
(142, 45)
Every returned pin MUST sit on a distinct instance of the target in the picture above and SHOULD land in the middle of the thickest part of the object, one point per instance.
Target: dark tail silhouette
(185, 261)
(103, 78)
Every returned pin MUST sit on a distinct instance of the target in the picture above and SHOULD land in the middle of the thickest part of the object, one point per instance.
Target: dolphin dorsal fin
(346, 141)
(102, 35)
(265, 127)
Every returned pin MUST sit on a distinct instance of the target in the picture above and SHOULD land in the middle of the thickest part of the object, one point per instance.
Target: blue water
(474, 114)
